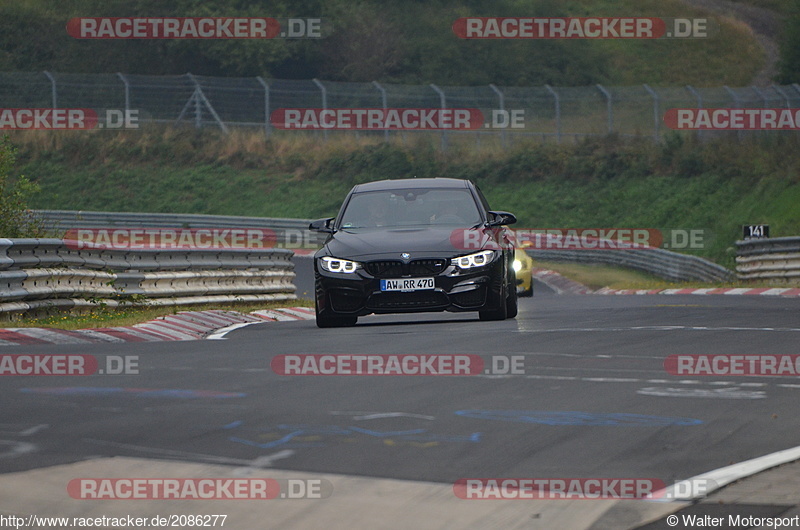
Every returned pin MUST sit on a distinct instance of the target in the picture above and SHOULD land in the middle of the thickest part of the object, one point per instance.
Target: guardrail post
(609, 108)
(444, 106)
(656, 120)
(267, 124)
(53, 89)
(324, 102)
(384, 103)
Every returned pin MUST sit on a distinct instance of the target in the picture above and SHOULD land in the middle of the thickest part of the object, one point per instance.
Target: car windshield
(411, 207)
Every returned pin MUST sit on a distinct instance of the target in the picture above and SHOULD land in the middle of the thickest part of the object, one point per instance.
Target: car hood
(419, 242)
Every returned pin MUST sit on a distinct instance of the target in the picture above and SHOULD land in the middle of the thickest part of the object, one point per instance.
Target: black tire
(325, 321)
(335, 322)
(501, 313)
(512, 308)
(511, 300)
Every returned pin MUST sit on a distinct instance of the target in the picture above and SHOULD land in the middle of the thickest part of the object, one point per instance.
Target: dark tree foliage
(402, 41)
(789, 63)
(15, 218)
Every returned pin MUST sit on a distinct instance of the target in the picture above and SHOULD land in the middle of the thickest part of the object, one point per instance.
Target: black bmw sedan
(414, 245)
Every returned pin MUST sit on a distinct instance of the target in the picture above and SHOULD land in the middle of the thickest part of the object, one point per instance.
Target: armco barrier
(659, 262)
(294, 233)
(39, 273)
(771, 259)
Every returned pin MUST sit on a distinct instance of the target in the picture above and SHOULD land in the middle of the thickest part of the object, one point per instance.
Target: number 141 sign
(755, 231)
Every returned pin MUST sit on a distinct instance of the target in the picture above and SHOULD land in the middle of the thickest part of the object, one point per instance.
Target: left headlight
(338, 265)
(517, 265)
(479, 259)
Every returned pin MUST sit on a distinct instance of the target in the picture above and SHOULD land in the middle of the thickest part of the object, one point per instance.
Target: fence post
(656, 120)
(385, 106)
(609, 108)
(127, 92)
(735, 102)
(444, 106)
(699, 98)
(267, 124)
(502, 98)
(53, 90)
(697, 95)
(557, 102)
(324, 93)
(200, 97)
(763, 97)
(780, 91)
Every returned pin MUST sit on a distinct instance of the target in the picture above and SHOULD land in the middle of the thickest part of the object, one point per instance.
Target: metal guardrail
(65, 219)
(659, 262)
(42, 273)
(662, 263)
(773, 259)
(55, 222)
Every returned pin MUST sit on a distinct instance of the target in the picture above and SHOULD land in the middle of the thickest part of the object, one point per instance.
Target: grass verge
(599, 276)
(107, 317)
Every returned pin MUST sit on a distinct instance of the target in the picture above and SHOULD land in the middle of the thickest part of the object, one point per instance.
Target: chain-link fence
(509, 113)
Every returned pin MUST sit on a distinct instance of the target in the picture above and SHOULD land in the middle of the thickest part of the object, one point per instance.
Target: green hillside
(713, 185)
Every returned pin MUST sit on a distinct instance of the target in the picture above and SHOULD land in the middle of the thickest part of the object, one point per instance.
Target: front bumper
(359, 293)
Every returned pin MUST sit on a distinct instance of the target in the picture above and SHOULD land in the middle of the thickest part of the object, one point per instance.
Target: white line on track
(220, 333)
(724, 476)
(212, 459)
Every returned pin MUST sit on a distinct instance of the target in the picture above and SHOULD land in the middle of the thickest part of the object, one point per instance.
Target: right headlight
(479, 259)
(331, 264)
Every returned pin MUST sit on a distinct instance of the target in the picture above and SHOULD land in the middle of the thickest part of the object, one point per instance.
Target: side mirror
(501, 218)
(322, 225)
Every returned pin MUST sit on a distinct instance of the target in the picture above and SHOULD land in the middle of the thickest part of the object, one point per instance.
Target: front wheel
(512, 306)
(335, 322)
(501, 313)
(327, 321)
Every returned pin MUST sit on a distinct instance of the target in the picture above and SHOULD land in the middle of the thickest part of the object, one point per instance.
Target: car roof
(444, 183)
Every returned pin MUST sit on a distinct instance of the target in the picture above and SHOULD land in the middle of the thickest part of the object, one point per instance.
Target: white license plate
(407, 284)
